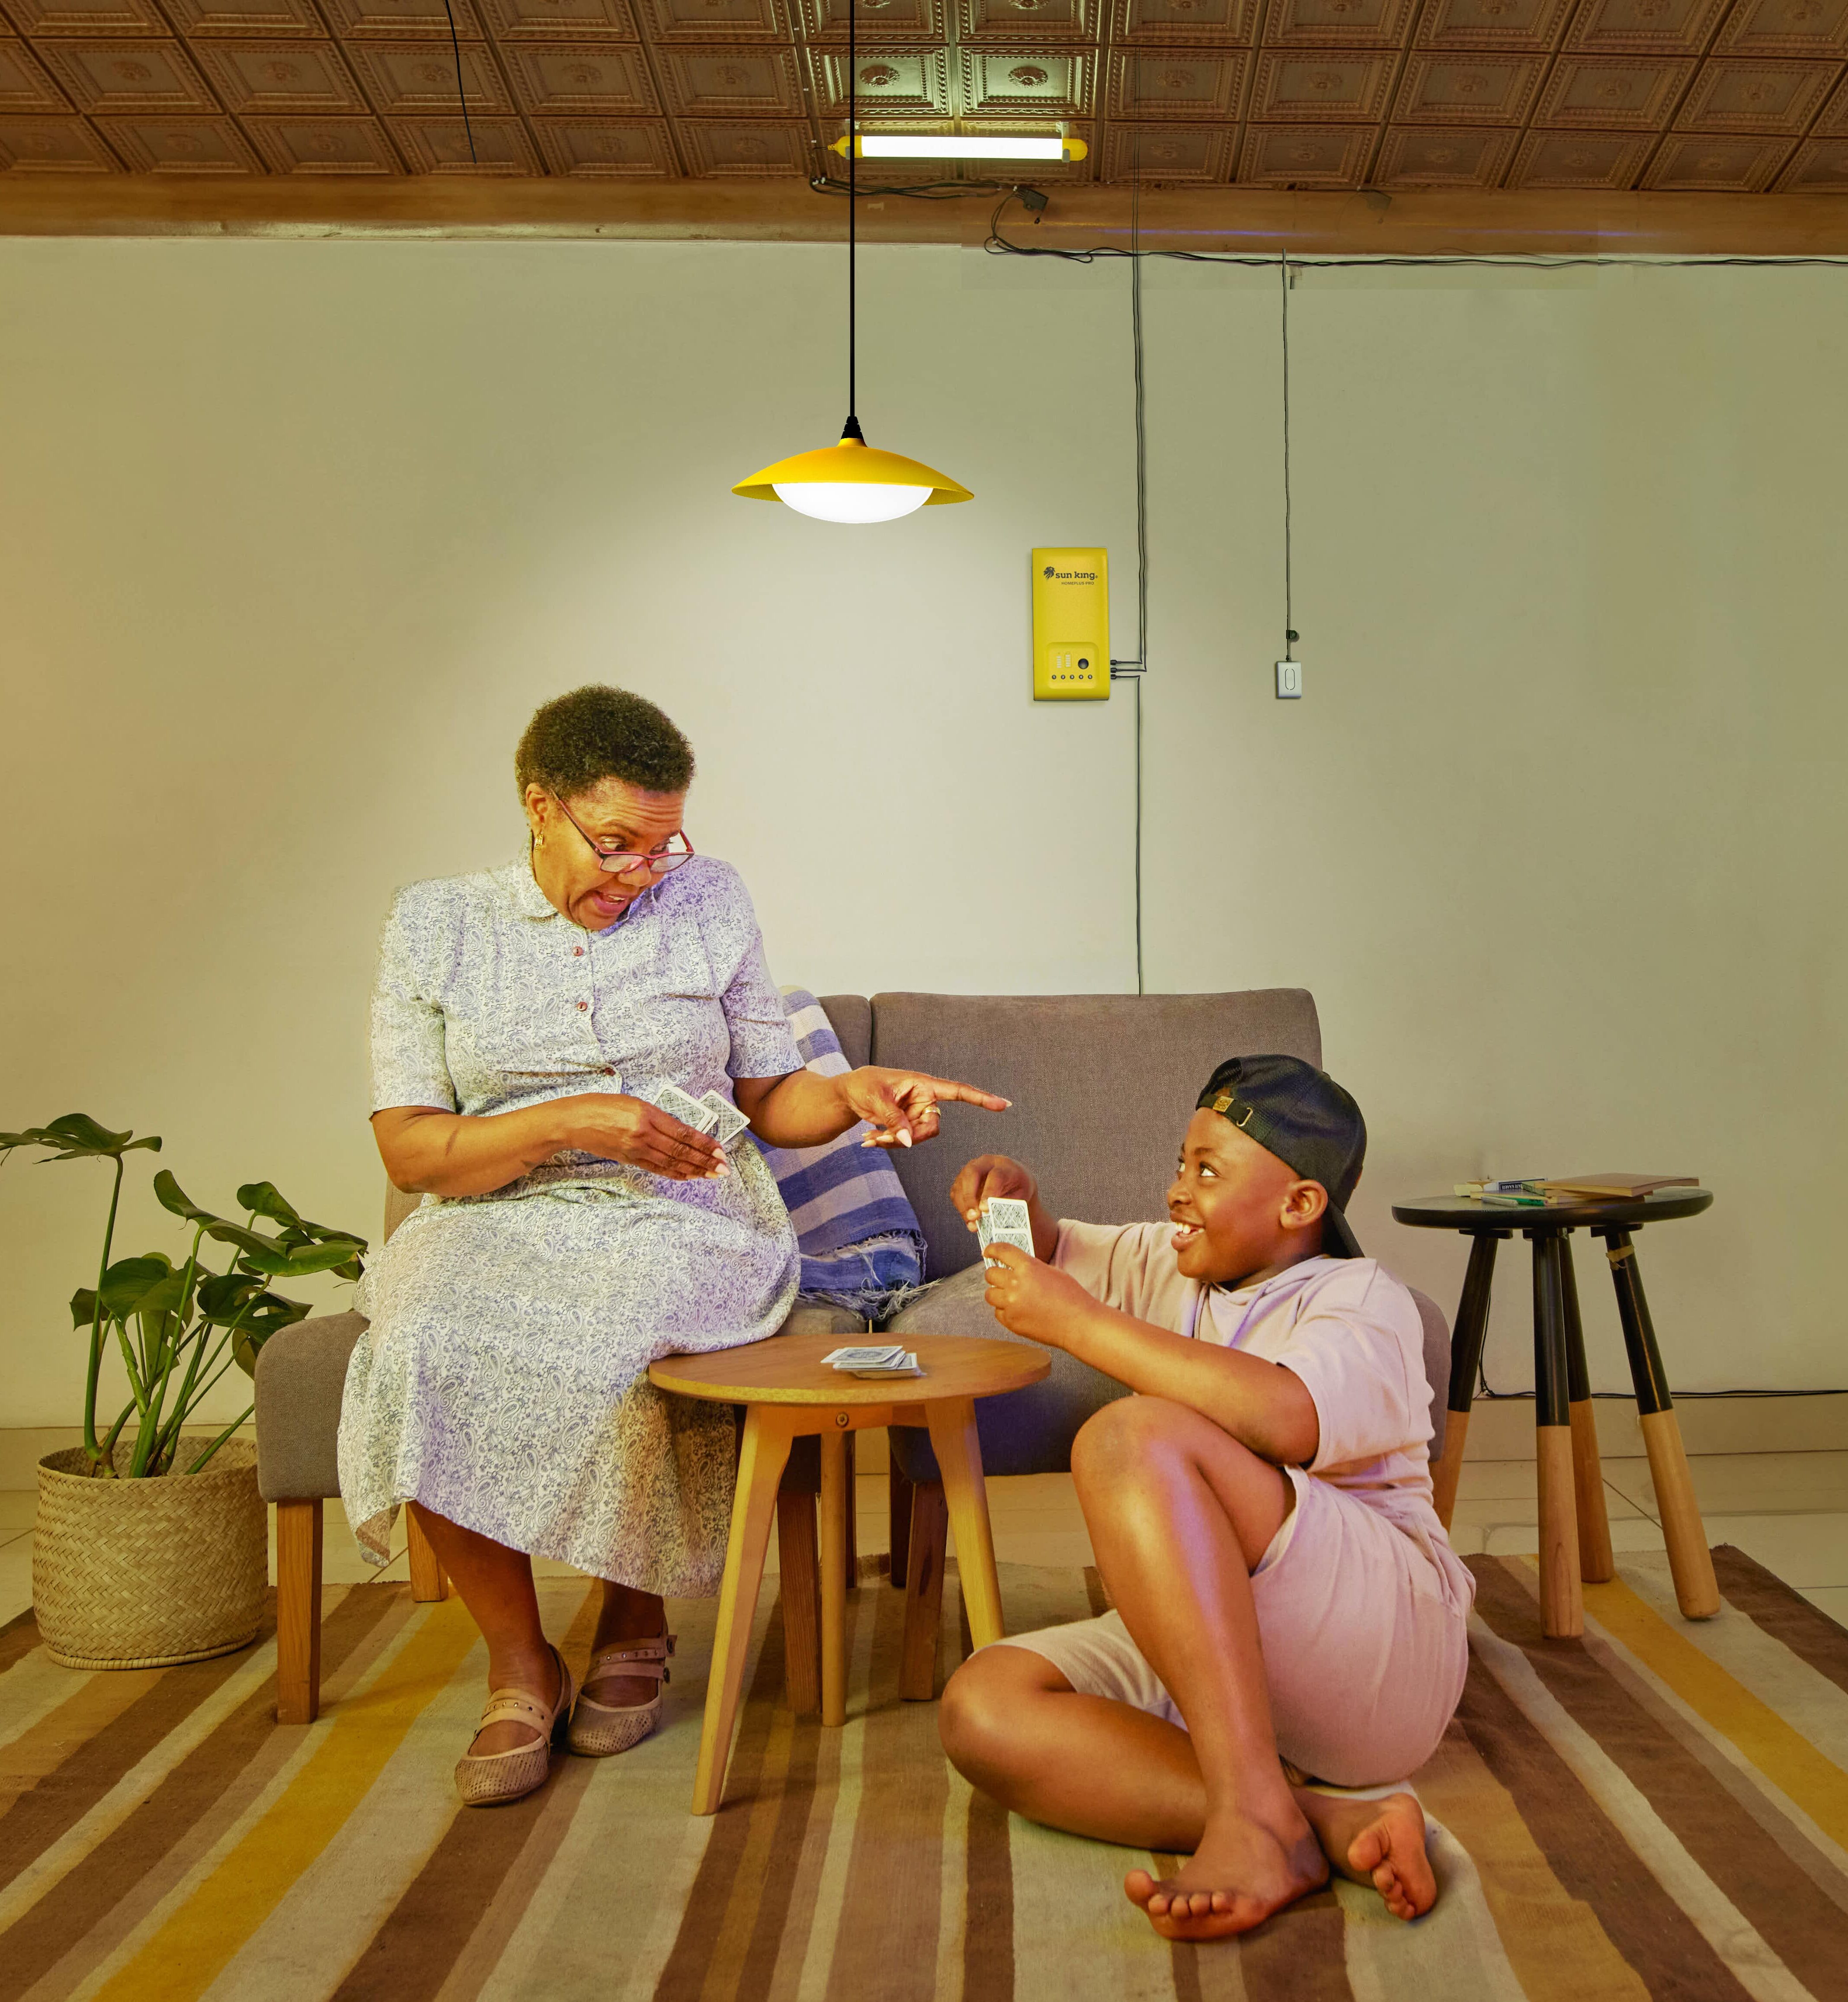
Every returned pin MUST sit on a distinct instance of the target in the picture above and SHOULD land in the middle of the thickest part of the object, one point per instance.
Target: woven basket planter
(144, 1573)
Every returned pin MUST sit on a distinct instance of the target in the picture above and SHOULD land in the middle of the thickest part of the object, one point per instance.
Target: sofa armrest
(300, 1373)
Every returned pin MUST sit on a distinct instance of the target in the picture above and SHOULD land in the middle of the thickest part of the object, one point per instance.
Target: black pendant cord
(1142, 537)
(462, 89)
(853, 429)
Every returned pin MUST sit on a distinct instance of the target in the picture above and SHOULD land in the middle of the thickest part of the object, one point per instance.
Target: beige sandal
(485, 1780)
(598, 1729)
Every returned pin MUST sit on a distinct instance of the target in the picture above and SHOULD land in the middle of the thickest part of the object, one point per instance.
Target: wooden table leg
(1466, 1360)
(833, 1526)
(1596, 1565)
(798, 1576)
(428, 1581)
(1562, 1599)
(762, 1455)
(927, 1527)
(898, 1513)
(1690, 1562)
(958, 1450)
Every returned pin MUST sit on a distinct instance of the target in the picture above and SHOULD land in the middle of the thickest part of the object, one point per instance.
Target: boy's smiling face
(1239, 1213)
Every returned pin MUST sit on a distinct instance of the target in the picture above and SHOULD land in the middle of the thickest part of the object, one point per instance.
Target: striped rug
(1662, 1811)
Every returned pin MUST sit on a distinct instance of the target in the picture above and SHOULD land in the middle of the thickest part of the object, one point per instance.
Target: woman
(524, 1020)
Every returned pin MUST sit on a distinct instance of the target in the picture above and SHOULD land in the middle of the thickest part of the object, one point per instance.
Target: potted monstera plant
(150, 1547)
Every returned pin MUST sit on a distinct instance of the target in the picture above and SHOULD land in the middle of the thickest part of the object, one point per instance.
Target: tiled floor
(1790, 1511)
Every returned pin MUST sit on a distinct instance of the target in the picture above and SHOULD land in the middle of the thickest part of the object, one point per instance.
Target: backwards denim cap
(1301, 1115)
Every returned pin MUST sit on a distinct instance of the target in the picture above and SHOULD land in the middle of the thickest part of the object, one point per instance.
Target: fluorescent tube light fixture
(962, 146)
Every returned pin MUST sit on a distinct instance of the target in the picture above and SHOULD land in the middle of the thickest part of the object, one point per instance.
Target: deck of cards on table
(1004, 1220)
(874, 1361)
(711, 1114)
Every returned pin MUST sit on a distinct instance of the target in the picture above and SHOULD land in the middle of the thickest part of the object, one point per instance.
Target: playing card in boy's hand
(1005, 1220)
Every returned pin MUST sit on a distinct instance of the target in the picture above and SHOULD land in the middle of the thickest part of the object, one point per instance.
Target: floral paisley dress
(503, 1382)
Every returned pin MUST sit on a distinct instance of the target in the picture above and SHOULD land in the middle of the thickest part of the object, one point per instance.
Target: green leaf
(164, 1296)
(271, 1315)
(314, 1258)
(170, 1196)
(223, 1297)
(324, 1234)
(252, 1243)
(267, 1200)
(258, 1255)
(129, 1280)
(77, 1137)
(83, 1307)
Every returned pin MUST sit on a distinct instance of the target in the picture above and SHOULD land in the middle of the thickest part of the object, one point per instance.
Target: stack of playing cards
(875, 1362)
(712, 1114)
(1004, 1220)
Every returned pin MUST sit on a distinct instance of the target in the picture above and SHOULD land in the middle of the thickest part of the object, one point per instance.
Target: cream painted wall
(293, 536)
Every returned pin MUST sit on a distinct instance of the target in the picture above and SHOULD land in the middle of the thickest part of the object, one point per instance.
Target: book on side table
(1536, 1192)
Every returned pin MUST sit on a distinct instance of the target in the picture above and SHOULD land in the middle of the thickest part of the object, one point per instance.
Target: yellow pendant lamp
(851, 481)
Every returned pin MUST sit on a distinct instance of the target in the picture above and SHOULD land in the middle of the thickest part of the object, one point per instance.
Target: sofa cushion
(1103, 1086)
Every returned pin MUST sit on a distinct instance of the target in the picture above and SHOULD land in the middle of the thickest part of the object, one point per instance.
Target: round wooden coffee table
(789, 1393)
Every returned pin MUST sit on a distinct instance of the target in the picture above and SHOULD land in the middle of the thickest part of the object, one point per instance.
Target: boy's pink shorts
(1365, 1638)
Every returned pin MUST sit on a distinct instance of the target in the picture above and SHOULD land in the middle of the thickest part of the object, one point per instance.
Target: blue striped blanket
(861, 1246)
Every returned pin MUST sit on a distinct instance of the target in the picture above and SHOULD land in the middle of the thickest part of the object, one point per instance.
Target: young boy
(1287, 1603)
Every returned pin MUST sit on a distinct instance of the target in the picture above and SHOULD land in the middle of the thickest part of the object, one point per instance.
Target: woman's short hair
(596, 733)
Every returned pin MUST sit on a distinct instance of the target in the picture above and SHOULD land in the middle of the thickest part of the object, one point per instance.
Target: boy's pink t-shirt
(1345, 1325)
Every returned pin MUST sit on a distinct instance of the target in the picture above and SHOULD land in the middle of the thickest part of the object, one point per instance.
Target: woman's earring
(538, 841)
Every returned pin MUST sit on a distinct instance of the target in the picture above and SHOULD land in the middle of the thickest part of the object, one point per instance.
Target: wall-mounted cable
(997, 245)
(1131, 671)
(1289, 622)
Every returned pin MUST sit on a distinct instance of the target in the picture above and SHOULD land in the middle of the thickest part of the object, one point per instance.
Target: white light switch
(1289, 680)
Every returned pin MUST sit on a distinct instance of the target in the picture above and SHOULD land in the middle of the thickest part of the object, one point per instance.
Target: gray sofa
(1101, 1086)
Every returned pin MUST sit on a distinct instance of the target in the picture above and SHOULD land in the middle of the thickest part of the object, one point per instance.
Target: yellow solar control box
(1071, 625)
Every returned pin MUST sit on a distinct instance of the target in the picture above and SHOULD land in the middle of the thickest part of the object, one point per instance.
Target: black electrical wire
(1681, 1397)
(824, 183)
(1000, 246)
(1289, 622)
(1133, 670)
(462, 89)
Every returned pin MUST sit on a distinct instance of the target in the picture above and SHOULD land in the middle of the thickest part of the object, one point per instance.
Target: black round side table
(1574, 1523)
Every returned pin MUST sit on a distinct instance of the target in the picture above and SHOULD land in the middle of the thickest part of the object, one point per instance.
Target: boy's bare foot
(1241, 1873)
(1380, 1843)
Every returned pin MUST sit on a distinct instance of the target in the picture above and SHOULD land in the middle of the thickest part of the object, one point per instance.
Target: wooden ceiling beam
(1430, 223)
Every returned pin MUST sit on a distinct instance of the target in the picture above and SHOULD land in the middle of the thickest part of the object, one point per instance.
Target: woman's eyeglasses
(617, 861)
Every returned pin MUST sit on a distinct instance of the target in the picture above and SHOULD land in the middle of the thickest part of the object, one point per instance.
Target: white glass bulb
(842, 501)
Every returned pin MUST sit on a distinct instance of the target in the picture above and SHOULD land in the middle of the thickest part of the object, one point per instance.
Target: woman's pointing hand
(901, 1106)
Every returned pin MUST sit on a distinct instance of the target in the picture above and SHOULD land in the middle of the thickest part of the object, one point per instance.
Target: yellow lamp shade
(852, 482)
